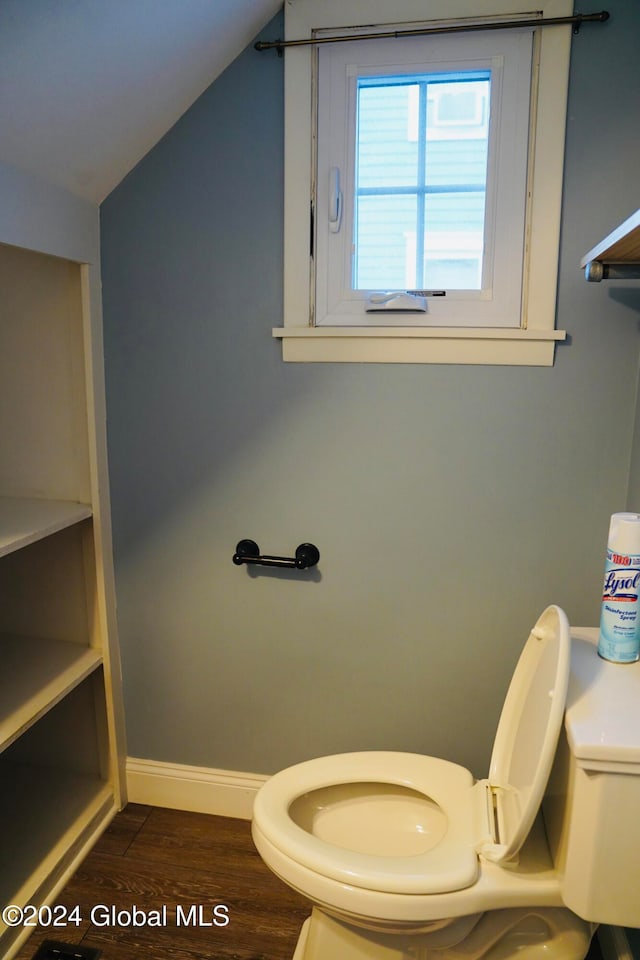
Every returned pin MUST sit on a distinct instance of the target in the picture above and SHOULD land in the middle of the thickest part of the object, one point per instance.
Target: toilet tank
(592, 804)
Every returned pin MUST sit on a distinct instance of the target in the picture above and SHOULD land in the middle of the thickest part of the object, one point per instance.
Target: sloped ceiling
(87, 87)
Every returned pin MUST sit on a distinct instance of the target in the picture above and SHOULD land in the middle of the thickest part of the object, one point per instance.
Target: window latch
(335, 200)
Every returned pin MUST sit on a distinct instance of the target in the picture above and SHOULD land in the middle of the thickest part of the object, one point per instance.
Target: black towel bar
(248, 551)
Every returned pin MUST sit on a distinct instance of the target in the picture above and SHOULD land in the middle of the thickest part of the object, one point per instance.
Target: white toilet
(407, 856)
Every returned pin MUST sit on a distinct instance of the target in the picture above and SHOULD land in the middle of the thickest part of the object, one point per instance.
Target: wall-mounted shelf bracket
(595, 271)
(617, 257)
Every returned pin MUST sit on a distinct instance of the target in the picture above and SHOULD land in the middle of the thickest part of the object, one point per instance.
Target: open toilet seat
(488, 819)
(451, 863)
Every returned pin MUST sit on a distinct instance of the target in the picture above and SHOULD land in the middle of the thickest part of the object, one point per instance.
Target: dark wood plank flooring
(155, 858)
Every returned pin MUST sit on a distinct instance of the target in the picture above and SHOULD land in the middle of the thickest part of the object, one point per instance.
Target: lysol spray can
(620, 618)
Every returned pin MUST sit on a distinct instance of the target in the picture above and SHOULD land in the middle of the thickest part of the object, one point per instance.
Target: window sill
(460, 345)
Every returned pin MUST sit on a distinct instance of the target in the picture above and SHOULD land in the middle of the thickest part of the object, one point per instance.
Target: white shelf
(622, 245)
(24, 521)
(36, 674)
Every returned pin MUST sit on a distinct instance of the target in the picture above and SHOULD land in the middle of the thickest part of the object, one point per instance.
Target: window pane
(454, 273)
(459, 106)
(421, 172)
(386, 249)
(454, 233)
(387, 135)
(459, 160)
(457, 134)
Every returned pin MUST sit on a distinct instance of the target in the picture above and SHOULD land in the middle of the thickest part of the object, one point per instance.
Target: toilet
(408, 856)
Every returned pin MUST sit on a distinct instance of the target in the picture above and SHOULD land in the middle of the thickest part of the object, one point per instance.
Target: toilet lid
(528, 730)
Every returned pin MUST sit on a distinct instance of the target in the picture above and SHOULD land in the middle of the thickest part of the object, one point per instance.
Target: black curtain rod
(577, 20)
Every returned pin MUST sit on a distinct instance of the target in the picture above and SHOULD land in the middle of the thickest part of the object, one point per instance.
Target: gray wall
(450, 504)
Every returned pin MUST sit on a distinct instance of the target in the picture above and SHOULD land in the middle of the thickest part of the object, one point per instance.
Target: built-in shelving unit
(61, 746)
(617, 257)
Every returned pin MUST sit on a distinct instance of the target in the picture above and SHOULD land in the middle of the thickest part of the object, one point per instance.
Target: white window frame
(498, 303)
(531, 343)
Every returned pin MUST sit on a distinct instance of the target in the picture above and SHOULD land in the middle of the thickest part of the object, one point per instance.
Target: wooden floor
(188, 863)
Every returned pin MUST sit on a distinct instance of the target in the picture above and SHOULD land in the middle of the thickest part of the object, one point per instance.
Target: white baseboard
(224, 793)
(614, 944)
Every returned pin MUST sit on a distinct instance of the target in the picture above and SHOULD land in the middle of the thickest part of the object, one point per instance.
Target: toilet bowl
(403, 854)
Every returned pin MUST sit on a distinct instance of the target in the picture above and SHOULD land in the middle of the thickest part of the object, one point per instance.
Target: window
(421, 178)
(423, 185)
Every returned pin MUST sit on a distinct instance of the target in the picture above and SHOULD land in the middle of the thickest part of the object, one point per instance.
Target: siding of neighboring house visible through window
(395, 236)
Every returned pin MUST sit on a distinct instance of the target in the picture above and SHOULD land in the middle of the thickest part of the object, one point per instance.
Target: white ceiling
(87, 87)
